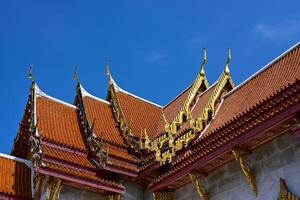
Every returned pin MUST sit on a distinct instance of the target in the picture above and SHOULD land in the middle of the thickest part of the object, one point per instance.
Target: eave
(275, 110)
(94, 185)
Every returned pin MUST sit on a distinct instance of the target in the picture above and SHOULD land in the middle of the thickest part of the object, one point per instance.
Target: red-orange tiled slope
(139, 114)
(105, 125)
(201, 102)
(171, 110)
(15, 179)
(278, 75)
(67, 156)
(58, 123)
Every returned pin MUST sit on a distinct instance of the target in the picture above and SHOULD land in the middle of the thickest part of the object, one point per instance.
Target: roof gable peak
(85, 93)
(119, 89)
(40, 93)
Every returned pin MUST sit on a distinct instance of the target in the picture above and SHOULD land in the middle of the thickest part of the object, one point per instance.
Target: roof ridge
(87, 94)
(26, 162)
(261, 70)
(119, 89)
(40, 93)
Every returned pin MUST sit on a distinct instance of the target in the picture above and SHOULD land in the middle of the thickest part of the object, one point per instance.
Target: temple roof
(15, 178)
(73, 137)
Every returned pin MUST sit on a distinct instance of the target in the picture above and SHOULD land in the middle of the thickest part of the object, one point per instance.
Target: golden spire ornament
(30, 76)
(108, 63)
(75, 76)
(228, 61)
(204, 62)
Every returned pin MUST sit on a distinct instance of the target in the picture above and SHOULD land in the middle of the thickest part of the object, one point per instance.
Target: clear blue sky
(155, 46)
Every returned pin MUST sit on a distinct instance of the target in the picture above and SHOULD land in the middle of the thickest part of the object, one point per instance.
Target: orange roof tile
(139, 114)
(105, 124)
(201, 102)
(58, 123)
(67, 156)
(281, 73)
(172, 109)
(15, 178)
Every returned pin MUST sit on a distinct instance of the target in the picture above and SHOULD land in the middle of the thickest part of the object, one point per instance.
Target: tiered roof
(96, 141)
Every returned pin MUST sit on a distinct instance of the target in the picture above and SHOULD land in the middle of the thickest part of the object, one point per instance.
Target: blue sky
(155, 46)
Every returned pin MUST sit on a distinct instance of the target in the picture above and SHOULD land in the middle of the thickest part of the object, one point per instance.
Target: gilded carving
(171, 128)
(194, 90)
(166, 146)
(48, 185)
(94, 143)
(209, 110)
(119, 116)
(203, 195)
(284, 193)
(246, 170)
(167, 195)
(37, 186)
(35, 153)
(113, 197)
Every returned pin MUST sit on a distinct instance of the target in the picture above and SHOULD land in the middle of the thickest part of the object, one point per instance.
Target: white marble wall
(70, 193)
(279, 158)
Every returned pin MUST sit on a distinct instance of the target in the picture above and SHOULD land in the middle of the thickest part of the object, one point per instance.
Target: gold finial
(30, 73)
(204, 56)
(108, 63)
(229, 56)
(75, 76)
(228, 61)
(204, 62)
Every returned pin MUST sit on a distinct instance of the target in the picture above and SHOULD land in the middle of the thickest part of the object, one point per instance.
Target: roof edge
(87, 94)
(262, 69)
(40, 93)
(21, 160)
(119, 89)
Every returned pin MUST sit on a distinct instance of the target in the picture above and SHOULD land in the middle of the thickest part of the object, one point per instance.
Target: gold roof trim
(119, 115)
(284, 193)
(185, 109)
(165, 156)
(210, 110)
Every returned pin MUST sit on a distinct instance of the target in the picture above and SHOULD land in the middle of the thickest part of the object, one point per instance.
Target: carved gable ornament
(284, 193)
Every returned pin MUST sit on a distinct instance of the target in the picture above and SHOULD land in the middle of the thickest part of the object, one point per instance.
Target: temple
(213, 141)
